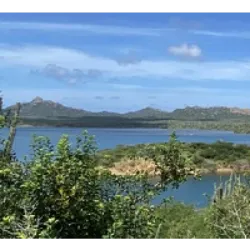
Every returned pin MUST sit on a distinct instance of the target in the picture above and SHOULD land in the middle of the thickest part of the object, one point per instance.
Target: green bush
(229, 217)
(182, 221)
(62, 193)
(2, 120)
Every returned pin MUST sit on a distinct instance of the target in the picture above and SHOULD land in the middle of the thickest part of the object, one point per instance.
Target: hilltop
(39, 108)
(210, 113)
(148, 113)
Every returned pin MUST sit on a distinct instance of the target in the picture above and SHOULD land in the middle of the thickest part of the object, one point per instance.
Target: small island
(216, 158)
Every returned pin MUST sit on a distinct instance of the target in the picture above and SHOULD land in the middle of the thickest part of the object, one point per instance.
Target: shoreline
(129, 127)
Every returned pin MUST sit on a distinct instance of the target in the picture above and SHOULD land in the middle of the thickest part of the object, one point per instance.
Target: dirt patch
(133, 166)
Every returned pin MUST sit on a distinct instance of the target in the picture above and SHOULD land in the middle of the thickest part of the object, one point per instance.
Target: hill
(39, 108)
(45, 108)
(210, 114)
(147, 113)
(41, 112)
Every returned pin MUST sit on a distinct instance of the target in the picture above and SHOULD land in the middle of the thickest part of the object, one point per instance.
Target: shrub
(229, 217)
(182, 221)
(62, 193)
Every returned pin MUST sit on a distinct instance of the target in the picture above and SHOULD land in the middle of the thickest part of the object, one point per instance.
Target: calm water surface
(191, 192)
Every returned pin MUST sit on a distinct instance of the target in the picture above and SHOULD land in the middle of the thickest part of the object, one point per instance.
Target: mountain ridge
(39, 107)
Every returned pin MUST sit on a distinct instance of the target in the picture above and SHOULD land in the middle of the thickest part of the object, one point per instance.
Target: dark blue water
(191, 192)
(195, 192)
(109, 138)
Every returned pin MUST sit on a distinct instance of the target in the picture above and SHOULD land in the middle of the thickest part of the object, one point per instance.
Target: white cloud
(83, 28)
(185, 50)
(38, 57)
(95, 29)
(243, 35)
(69, 76)
(126, 86)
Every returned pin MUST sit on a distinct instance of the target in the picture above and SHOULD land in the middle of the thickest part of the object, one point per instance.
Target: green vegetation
(227, 218)
(202, 156)
(182, 221)
(86, 121)
(237, 126)
(1, 121)
(63, 193)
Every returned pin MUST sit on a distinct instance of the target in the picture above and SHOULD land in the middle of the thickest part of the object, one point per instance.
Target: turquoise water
(191, 192)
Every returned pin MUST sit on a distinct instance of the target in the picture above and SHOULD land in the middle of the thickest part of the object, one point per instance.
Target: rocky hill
(39, 108)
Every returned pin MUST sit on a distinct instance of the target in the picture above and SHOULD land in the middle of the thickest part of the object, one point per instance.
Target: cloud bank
(172, 25)
(67, 60)
(84, 29)
(69, 76)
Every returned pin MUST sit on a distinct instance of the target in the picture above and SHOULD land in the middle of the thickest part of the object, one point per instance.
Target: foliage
(182, 221)
(240, 125)
(171, 165)
(62, 193)
(1, 121)
(197, 155)
(229, 217)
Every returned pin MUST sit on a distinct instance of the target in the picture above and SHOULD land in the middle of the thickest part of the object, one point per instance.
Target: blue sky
(124, 62)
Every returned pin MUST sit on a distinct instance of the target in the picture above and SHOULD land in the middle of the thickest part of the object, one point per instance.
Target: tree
(61, 193)
(13, 124)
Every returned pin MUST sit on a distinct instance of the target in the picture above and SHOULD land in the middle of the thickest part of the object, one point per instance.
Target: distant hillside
(39, 108)
(148, 113)
(43, 109)
(200, 113)
(210, 114)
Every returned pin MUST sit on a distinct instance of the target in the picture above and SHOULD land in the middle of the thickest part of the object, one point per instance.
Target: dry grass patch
(132, 166)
